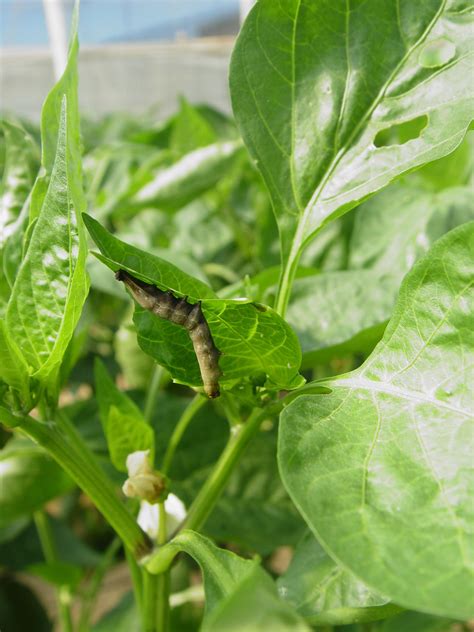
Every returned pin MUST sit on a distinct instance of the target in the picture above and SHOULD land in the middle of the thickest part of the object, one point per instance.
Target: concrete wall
(123, 77)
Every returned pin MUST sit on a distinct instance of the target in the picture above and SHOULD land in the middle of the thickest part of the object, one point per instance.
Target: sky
(22, 22)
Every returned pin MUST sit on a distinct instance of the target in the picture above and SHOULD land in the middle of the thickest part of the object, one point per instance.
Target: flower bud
(143, 481)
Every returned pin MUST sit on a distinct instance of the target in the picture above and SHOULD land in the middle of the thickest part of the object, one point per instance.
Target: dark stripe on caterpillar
(187, 315)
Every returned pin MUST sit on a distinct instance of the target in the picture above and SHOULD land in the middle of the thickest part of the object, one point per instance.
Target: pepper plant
(327, 234)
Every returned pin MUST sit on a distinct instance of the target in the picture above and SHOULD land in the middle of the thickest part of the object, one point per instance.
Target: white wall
(122, 77)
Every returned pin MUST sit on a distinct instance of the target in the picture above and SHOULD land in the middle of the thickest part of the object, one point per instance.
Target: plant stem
(196, 404)
(81, 465)
(153, 391)
(156, 589)
(164, 579)
(150, 602)
(213, 487)
(90, 595)
(50, 555)
(286, 280)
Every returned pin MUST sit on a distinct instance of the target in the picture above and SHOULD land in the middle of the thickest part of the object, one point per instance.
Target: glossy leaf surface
(314, 86)
(381, 468)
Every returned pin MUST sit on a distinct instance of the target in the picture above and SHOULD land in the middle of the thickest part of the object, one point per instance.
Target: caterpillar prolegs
(188, 315)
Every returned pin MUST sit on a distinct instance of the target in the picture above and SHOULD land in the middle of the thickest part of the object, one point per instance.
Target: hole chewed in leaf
(437, 53)
(402, 133)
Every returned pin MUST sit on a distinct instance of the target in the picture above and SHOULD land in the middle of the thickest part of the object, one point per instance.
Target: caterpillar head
(138, 290)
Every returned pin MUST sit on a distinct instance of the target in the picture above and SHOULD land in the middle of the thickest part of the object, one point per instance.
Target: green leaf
(124, 425)
(255, 341)
(119, 255)
(315, 85)
(231, 580)
(51, 285)
(19, 173)
(29, 479)
(325, 593)
(379, 468)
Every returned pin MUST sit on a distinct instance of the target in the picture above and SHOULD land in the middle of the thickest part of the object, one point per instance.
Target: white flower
(143, 481)
(149, 517)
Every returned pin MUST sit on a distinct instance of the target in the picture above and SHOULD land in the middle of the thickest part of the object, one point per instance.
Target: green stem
(81, 465)
(91, 593)
(164, 579)
(153, 391)
(286, 280)
(137, 578)
(213, 487)
(150, 602)
(50, 555)
(196, 404)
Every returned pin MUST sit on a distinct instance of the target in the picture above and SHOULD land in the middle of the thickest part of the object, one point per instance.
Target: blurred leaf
(172, 187)
(25, 549)
(379, 468)
(190, 130)
(29, 479)
(255, 510)
(135, 366)
(416, 622)
(325, 593)
(311, 100)
(453, 170)
(127, 434)
(57, 573)
(20, 609)
(341, 312)
(124, 617)
(397, 226)
(208, 422)
(124, 425)
(346, 312)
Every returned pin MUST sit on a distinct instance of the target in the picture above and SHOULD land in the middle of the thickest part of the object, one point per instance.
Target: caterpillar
(190, 316)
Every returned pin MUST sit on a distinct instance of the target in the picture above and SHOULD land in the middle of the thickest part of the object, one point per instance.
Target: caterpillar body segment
(188, 315)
